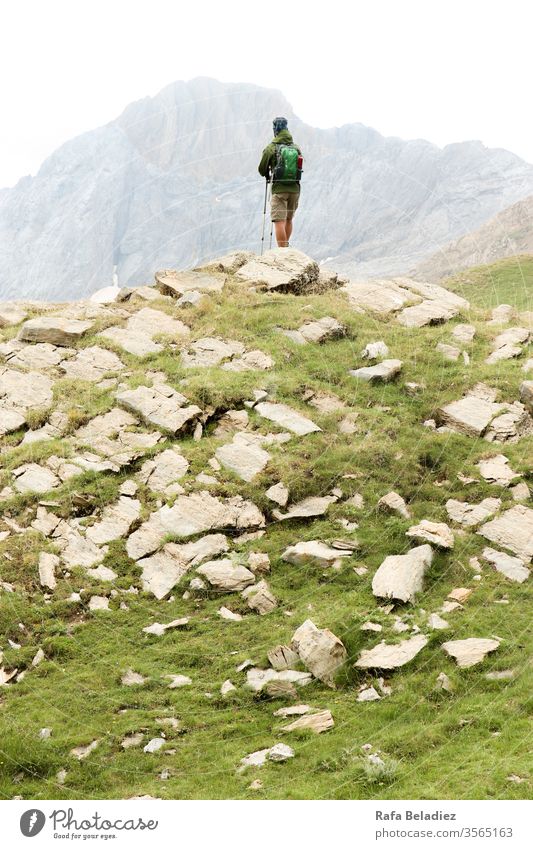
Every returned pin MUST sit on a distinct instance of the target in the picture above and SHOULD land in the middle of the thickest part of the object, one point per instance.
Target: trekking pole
(271, 229)
(264, 216)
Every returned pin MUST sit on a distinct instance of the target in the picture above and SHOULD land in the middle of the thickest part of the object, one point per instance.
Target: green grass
(508, 281)
(435, 745)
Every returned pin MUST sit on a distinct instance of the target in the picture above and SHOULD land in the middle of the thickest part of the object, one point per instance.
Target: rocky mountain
(173, 181)
(265, 532)
(510, 233)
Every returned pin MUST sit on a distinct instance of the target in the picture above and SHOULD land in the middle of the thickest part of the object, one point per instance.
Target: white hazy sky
(444, 70)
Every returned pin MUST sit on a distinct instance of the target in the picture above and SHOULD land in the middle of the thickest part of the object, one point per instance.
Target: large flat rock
(176, 283)
(243, 456)
(160, 405)
(320, 651)
(380, 373)
(164, 569)
(92, 364)
(115, 522)
(280, 268)
(226, 576)
(54, 329)
(286, 417)
(512, 530)
(416, 304)
(391, 656)
(26, 391)
(471, 651)
(400, 576)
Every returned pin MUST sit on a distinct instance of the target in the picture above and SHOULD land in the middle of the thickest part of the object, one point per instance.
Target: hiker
(282, 162)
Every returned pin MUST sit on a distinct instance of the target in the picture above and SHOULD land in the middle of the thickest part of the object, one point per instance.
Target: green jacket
(268, 160)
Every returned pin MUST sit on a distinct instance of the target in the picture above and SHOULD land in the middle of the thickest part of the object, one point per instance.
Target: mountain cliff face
(507, 234)
(173, 181)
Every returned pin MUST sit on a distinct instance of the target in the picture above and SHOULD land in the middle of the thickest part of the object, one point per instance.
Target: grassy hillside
(435, 744)
(508, 281)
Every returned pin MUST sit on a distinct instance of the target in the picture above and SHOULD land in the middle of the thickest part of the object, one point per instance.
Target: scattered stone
(464, 332)
(258, 562)
(526, 394)
(231, 421)
(48, 563)
(449, 352)
(259, 598)
(154, 745)
(282, 269)
(82, 752)
(433, 304)
(11, 316)
(368, 694)
(243, 456)
(282, 657)
(116, 521)
(503, 675)
(102, 573)
(512, 567)
(287, 418)
(382, 372)
(292, 710)
(437, 533)
(321, 330)
(444, 683)
(227, 687)
(437, 623)
(178, 681)
(161, 473)
(53, 329)
(314, 553)
(92, 364)
(460, 594)
(512, 530)
(496, 470)
(176, 283)
(400, 576)
(225, 613)
(98, 602)
(257, 679)
(160, 405)
(224, 575)
(157, 629)
(132, 679)
(162, 571)
(316, 722)
(394, 503)
(132, 741)
(309, 507)
(472, 514)
(471, 651)
(320, 651)
(371, 626)
(375, 351)
(137, 342)
(391, 656)
(520, 492)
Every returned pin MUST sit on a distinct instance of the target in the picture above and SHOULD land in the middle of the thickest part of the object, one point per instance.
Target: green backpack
(287, 168)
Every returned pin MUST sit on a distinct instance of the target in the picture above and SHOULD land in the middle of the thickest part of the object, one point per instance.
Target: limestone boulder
(394, 503)
(321, 330)
(161, 473)
(54, 329)
(512, 530)
(437, 533)
(160, 405)
(243, 456)
(380, 373)
(308, 508)
(469, 515)
(314, 553)
(257, 679)
(287, 418)
(164, 569)
(315, 722)
(176, 283)
(320, 651)
(116, 521)
(401, 576)
(496, 470)
(512, 567)
(391, 656)
(92, 364)
(282, 269)
(260, 598)
(471, 651)
(226, 576)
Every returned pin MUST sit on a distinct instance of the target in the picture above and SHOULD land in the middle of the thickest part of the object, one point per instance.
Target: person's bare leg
(281, 235)
(288, 229)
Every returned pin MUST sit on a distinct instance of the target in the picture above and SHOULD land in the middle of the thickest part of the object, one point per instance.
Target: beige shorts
(284, 205)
